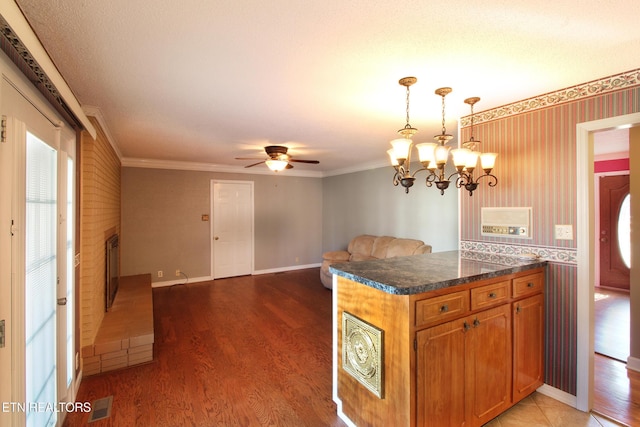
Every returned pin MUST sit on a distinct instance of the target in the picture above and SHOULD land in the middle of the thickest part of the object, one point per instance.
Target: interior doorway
(612, 249)
(231, 228)
(586, 248)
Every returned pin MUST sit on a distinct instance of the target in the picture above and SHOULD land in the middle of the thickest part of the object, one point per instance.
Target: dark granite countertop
(423, 273)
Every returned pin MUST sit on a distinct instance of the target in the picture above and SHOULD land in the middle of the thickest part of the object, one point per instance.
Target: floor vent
(101, 409)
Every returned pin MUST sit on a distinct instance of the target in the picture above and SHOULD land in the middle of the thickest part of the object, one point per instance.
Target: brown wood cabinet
(458, 356)
(463, 369)
(528, 346)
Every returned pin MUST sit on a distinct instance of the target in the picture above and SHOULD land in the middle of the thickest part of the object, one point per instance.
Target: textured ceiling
(206, 81)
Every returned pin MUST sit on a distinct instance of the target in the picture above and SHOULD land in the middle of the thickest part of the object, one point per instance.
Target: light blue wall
(367, 203)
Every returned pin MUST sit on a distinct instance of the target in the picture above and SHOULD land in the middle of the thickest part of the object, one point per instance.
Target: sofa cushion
(361, 245)
(402, 247)
(360, 257)
(380, 246)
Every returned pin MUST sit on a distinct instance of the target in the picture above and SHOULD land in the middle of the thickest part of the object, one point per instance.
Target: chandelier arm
(460, 181)
(493, 180)
(396, 177)
(432, 177)
(461, 176)
(416, 172)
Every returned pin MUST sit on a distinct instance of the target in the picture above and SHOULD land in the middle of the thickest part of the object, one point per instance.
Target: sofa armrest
(424, 249)
(336, 256)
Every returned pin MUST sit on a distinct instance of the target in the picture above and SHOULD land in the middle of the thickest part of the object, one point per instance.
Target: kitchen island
(441, 339)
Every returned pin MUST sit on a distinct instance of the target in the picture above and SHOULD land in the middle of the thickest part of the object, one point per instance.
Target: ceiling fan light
(276, 165)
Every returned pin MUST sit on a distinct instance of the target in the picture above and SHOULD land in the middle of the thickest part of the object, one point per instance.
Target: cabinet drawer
(489, 295)
(527, 285)
(445, 307)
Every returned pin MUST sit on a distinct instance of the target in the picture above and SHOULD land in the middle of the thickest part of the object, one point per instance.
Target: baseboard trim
(283, 269)
(633, 363)
(182, 281)
(559, 395)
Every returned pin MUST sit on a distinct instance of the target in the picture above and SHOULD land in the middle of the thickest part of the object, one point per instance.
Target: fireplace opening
(112, 270)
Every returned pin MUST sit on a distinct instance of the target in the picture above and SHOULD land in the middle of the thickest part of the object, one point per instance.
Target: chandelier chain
(444, 129)
(408, 125)
(471, 122)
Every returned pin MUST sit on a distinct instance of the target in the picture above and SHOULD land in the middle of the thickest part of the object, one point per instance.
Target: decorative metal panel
(363, 353)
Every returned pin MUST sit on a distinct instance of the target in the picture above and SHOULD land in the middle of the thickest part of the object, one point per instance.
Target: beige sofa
(370, 247)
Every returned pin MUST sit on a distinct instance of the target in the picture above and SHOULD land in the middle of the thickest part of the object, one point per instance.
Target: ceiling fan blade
(254, 164)
(247, 158)
(315, 162)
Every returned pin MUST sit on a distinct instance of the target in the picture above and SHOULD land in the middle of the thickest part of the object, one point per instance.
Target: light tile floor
(540, 410)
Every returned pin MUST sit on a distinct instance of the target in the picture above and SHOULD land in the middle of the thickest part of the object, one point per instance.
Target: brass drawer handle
(530, 285)
(492, 295)
(444, 308)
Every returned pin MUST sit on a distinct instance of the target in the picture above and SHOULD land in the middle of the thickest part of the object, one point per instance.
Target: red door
(614, 271)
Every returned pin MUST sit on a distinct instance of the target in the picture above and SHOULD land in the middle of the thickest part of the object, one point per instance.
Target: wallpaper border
(551, 254)
(595, 87)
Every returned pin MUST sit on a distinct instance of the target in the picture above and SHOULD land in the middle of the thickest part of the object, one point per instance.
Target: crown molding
(210, 167)
(96, 113)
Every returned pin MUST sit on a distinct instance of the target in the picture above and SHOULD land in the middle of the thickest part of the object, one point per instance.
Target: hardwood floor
(252, 350)
(612, 326)
(616, 389)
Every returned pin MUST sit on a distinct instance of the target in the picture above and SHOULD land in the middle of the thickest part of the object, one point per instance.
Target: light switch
(564, 232)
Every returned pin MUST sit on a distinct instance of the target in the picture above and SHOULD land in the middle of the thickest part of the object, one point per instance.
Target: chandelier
(434, 156)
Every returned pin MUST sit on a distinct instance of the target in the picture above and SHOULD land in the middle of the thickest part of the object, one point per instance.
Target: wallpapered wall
(536, 166)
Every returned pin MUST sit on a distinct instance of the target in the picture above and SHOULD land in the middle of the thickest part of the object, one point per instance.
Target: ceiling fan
(278, 158)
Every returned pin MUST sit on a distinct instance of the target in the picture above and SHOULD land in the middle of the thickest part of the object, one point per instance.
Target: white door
(34, 261)
(232, 228)
(66, 275)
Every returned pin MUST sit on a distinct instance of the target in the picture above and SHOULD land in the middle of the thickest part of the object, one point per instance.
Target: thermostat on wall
(506, 222)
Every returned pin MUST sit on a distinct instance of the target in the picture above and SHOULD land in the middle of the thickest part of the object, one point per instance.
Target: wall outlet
(160, 274)
(178, 272)
(564, 232)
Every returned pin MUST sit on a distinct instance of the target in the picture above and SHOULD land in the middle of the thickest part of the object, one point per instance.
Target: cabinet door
(440, 371)
(528, 346)
(489, 366)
